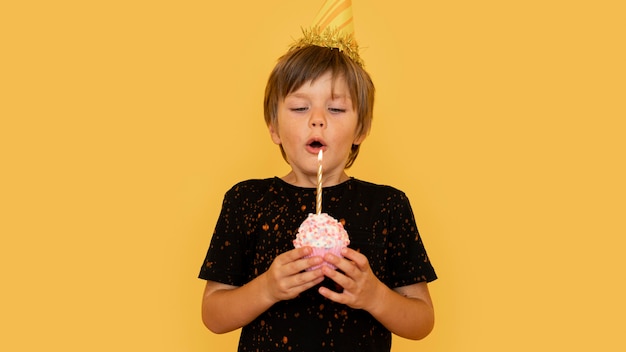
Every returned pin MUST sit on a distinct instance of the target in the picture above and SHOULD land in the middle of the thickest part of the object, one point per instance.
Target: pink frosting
(321, 231)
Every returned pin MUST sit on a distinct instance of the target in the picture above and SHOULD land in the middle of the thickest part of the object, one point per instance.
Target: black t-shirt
(259, 220)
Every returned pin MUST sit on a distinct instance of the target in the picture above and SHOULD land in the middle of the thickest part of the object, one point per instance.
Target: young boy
(317, 97)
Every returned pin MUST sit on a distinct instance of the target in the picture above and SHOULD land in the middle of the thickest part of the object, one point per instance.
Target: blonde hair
(303, 64)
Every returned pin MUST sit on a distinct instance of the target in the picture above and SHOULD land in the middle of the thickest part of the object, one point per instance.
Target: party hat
(336, 14)
(333, 27)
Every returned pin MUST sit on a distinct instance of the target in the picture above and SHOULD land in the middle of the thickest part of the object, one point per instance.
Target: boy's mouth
(316, 144)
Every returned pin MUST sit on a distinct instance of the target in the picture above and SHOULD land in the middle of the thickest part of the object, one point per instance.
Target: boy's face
(313, 118)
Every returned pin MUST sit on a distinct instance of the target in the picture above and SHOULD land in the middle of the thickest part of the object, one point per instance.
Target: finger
(308, 279)
(306, 263)
(349, 267)
(332, 295)
(357, 257)
(339, 278)
(310, 284)
(299, 283)
(294, 254)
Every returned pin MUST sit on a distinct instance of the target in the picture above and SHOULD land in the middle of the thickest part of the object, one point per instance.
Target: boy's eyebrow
(334, 96)
(341, 96)
(295, 95)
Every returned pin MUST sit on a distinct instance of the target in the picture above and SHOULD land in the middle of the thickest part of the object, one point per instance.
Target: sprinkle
(321, 231)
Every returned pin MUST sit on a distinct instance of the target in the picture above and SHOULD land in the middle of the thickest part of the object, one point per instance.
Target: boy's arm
(223, 307)
(226, 308)
(406, 311)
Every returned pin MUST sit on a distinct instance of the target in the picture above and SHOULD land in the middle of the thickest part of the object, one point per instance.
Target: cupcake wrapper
(320, 252)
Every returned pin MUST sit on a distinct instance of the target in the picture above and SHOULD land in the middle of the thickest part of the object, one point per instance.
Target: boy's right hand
(286, 278)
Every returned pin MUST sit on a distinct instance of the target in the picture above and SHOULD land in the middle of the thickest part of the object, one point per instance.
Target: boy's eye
(336, 110)
(301, 109)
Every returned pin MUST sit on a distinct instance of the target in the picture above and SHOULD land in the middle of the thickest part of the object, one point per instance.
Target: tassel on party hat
(333, 27)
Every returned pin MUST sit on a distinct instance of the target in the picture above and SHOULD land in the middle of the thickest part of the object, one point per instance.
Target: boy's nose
(317, 119)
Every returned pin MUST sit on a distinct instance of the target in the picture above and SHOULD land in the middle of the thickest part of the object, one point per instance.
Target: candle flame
(320, 155)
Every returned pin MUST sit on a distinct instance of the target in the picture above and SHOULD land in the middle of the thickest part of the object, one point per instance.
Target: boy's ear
(274, 134)
(359, 139)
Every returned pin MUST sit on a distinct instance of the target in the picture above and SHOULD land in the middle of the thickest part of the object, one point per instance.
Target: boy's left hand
(361, 288)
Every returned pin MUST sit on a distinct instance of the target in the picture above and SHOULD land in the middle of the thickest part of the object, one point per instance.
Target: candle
(319, 183)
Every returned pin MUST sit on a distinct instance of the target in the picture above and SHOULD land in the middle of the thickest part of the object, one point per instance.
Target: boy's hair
(308, 63)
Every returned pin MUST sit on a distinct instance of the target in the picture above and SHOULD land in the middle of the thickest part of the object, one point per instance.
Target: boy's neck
(309, 181)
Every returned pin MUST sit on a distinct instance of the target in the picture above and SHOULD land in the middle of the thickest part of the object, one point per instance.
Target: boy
(317, 97)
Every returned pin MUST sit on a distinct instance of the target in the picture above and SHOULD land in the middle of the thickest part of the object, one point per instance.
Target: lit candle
(319, 183)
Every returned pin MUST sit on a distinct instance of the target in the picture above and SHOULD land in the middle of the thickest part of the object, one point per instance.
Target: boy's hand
(286, 278)
(361, 288)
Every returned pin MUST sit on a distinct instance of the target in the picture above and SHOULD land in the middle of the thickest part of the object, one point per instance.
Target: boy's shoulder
(253, 185)
(387, 199)
(375, 188)
(249, 191)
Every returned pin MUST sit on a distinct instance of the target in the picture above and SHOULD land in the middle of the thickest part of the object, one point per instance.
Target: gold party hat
(336, 14)
(333, 27)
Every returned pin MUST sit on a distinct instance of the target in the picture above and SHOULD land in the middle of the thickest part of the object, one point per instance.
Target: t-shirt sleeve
(226, 257)
(408, 261)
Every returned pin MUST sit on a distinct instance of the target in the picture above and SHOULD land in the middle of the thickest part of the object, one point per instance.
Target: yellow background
(124, 122)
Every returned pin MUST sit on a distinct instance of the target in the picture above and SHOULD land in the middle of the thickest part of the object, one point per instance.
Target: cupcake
(324, 234)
